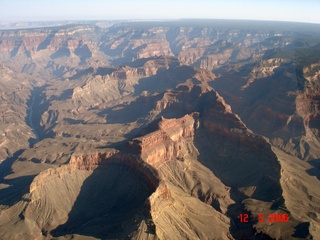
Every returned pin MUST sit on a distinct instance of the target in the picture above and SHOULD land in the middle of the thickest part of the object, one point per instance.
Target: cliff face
(207, 47)
(45, 212)
(166, 165)
(207, 158)
(171, 151)
(120, 82)
(168, 143)
(35, 40)
(130, 131)
(103, 160)
(14, 101)
(220, 141)
(308, 103)
(127, 44)
(48, 47)
(286, 109)
(59, 196)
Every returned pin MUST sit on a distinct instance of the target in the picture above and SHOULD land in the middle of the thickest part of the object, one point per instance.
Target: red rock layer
(166, 143)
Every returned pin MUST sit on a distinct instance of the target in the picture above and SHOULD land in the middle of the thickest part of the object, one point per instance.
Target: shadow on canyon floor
(315, 171)
(111, 202)
(226, 157)
(5, 166)
(16, 189)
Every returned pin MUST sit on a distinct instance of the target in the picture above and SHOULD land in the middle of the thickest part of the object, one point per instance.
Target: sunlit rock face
(85, 189)
(159, 130)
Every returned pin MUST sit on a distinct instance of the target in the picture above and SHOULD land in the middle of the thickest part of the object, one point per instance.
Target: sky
(49, 10)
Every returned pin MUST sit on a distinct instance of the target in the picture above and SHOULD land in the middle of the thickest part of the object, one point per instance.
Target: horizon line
(147, 19)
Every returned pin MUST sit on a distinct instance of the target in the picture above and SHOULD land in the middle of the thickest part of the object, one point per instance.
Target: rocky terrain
(160, 130)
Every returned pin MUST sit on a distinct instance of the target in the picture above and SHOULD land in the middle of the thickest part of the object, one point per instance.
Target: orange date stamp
(271, 218)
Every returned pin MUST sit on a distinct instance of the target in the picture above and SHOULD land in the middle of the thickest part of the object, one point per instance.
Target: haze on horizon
(275, 10)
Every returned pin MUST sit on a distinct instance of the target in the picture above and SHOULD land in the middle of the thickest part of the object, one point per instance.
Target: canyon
(160, 130)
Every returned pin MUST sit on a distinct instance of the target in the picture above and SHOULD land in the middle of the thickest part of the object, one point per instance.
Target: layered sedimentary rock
(165, 144)
(130, 131)
(84, 189)
(15, 96)
(167, 164)
(44, 50)
(286, 110)
(171, 151)
(209, 46)
(43, 209)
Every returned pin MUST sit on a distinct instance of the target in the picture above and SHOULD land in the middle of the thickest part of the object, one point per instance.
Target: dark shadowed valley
(190, 129)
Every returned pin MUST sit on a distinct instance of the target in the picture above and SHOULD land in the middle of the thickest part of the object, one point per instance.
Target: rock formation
(160, 130)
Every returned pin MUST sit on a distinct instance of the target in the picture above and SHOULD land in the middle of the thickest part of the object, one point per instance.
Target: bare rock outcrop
(169, 142)
(171, 151)
(130, 131)
(58, 196)
(14, 100)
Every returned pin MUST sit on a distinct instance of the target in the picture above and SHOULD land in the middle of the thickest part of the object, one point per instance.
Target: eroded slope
(185, 166)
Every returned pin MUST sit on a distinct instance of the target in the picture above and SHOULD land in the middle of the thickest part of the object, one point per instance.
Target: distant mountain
(37, 24)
